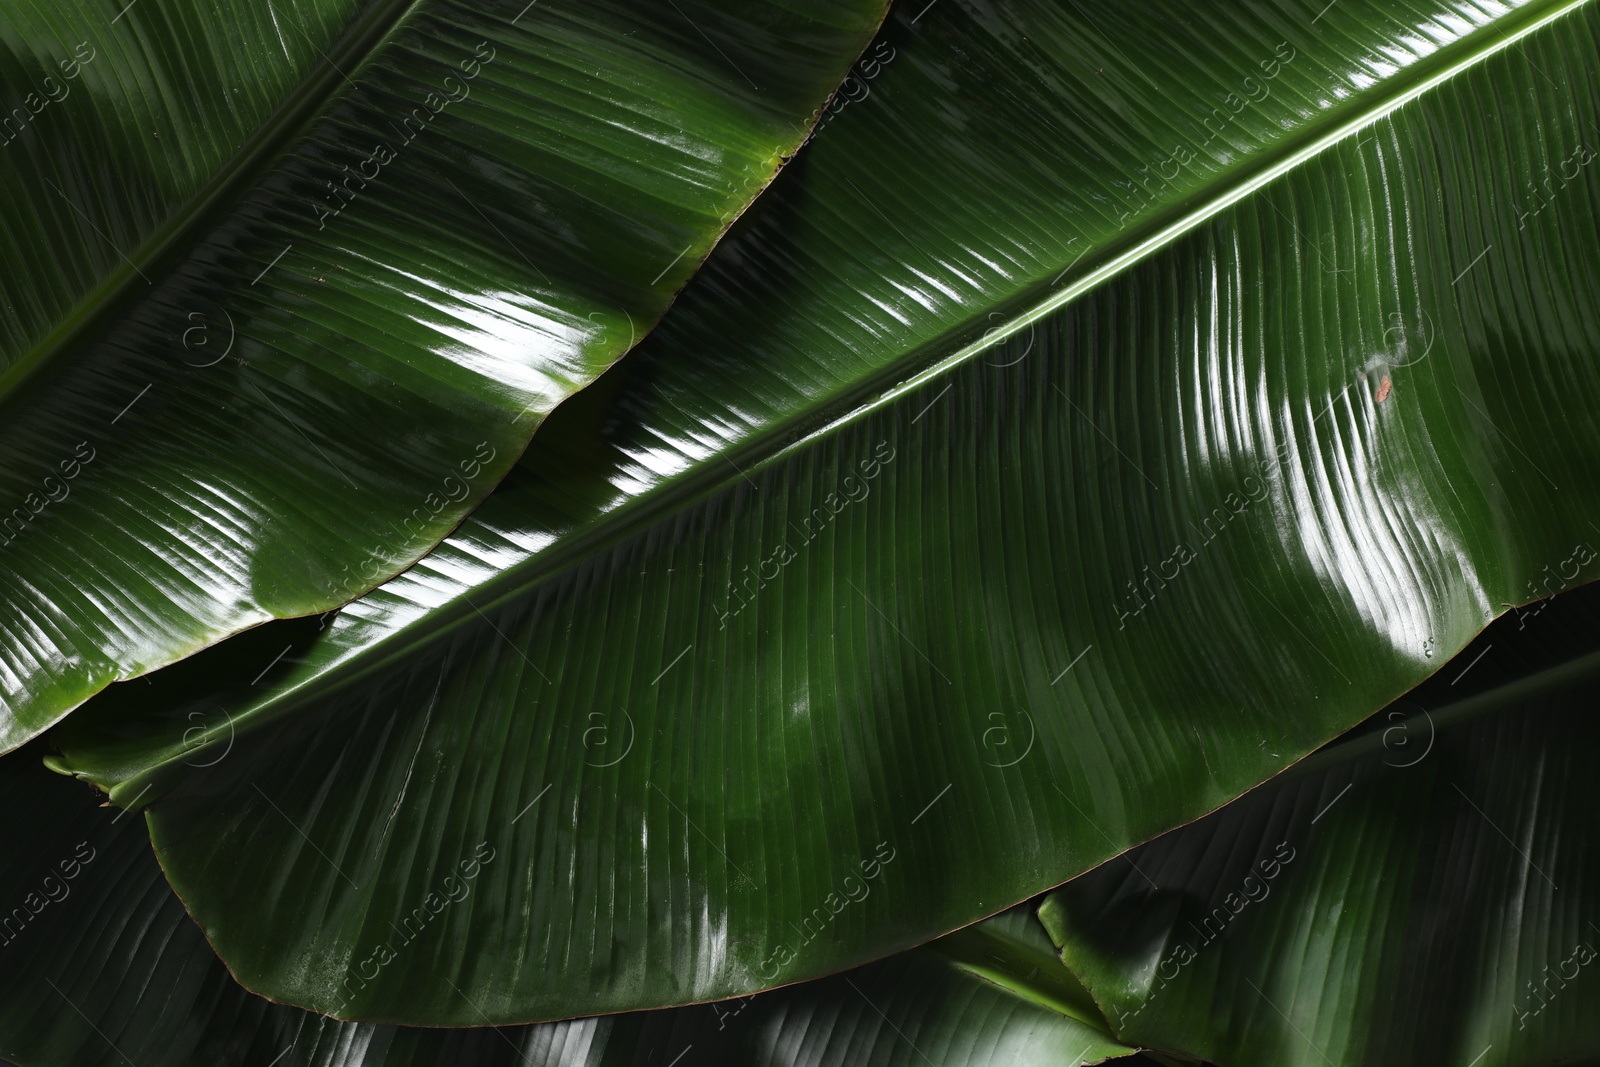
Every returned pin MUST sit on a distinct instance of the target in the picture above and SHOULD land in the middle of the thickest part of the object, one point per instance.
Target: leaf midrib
(779, 441)
(365, 37)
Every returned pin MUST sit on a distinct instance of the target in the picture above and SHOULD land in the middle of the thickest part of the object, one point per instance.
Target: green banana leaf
(282, 310)
(780, 618)
(1427, 891)
(100, 965)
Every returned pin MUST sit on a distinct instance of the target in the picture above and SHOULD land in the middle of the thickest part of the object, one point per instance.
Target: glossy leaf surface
(1427, 891)
(99, 965)
(283, 309)
(955, 623)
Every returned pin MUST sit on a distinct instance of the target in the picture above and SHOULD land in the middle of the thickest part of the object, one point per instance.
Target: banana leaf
(289, 285)
(830, 576)
(99, 965)
(1425, 891)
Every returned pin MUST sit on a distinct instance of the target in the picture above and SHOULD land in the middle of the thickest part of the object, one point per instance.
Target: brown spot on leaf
(1383, 389)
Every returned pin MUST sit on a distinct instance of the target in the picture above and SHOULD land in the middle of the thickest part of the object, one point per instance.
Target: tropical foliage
(563, 518)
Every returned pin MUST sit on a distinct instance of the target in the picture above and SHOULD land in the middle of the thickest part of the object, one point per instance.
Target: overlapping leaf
(954, 624)
(1425, 892)
(292, 285)
(100, 965)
